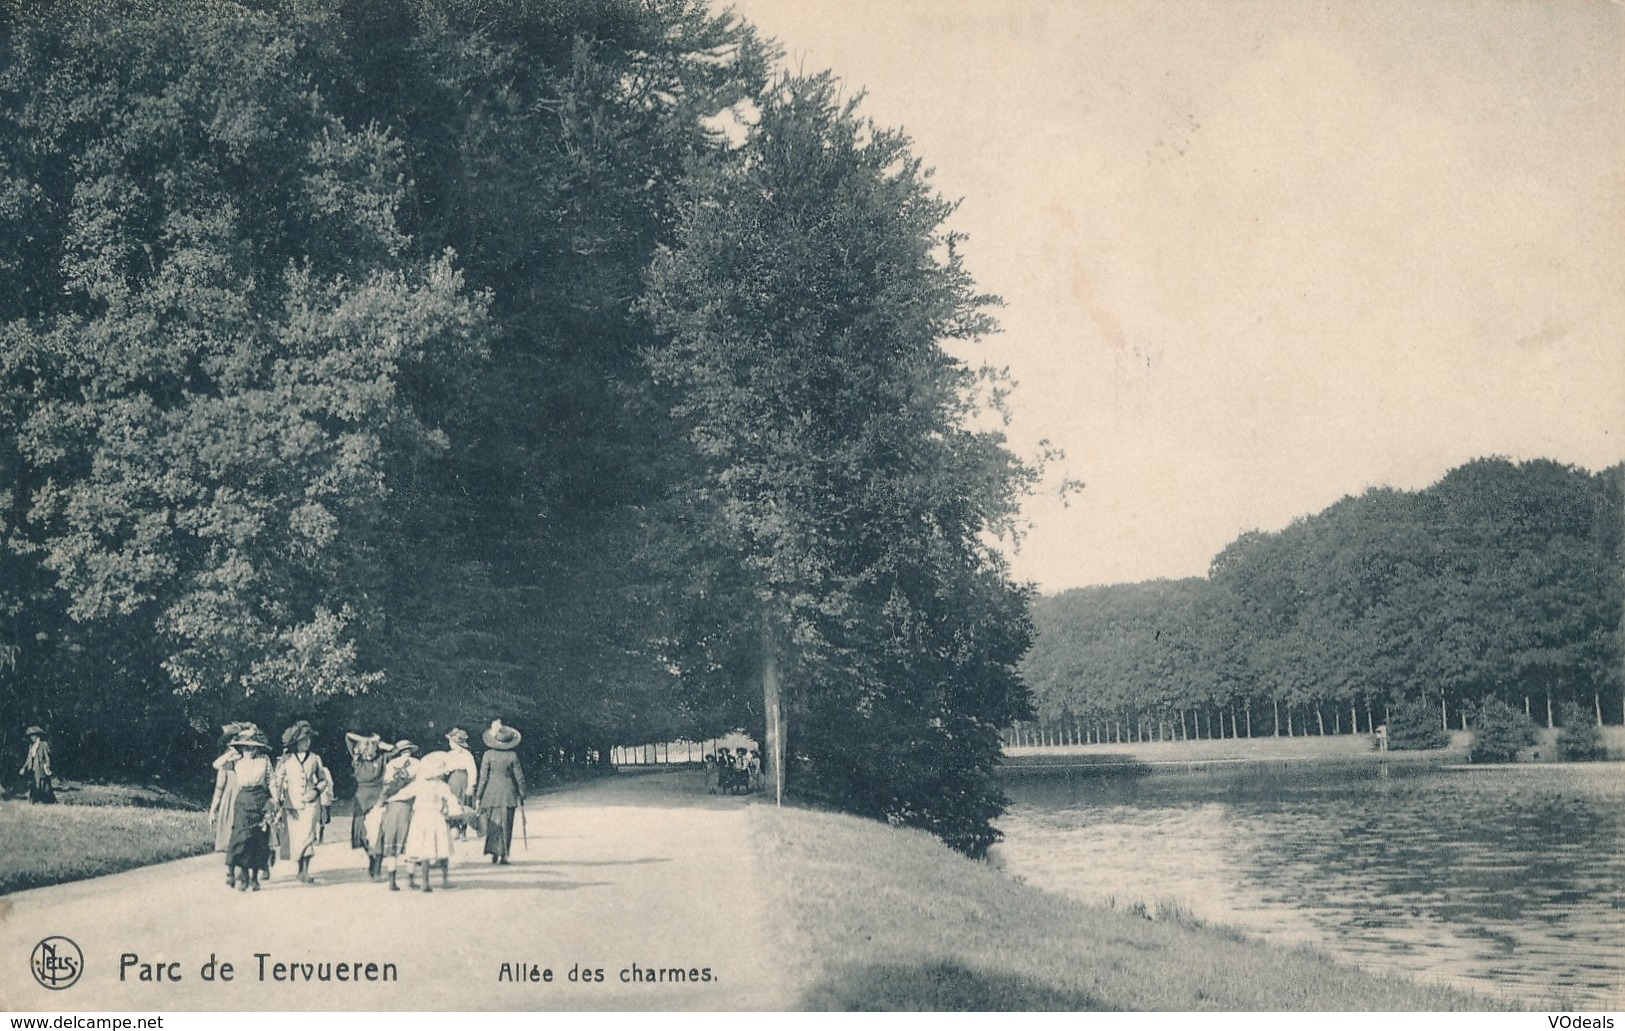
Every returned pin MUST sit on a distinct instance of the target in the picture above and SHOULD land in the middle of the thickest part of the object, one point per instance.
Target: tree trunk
(1248, 705)
(1596, 701)
(772, 708)
(1549, 723)
(1320, 720)
(1277, 703)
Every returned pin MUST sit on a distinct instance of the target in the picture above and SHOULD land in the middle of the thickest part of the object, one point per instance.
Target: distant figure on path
(367, 759)
(248, 854)
(501, 789)
(303, 788)
(37, 767)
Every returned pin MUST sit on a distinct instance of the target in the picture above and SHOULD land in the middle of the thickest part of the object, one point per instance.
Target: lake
(1503, 880)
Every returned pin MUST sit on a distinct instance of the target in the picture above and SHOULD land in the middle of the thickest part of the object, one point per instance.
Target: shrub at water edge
(1579, 740)
(1414, 724)
(1499, 732)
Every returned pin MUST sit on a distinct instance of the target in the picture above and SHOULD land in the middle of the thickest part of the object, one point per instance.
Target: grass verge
(889, 919)
(108, 829)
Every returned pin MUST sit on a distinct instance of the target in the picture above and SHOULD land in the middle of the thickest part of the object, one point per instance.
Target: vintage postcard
(812, 505)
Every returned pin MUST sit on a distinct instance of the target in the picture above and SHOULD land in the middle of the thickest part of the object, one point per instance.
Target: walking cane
(524, 830)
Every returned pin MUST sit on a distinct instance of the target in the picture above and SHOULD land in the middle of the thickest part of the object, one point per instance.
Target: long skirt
(498, 831)
(366, 796)
(223, 818)
(40, 791)
(300, 831)
(394, 827)
(250, 844)
(457, 781)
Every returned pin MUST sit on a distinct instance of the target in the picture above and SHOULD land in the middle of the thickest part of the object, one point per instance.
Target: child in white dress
(428, 840)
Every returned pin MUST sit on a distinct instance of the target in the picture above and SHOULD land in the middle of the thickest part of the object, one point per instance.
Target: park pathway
(632, 874)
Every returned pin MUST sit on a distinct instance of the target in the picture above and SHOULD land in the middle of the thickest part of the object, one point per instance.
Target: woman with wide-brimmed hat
(37, 766)
(368, 757)
(248, 852)
(394, 819)
(501, 789)
(224, 801)
(304, 790)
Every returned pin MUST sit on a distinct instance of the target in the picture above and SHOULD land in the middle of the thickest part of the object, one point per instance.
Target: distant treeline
(402, 364)
(1501, 580)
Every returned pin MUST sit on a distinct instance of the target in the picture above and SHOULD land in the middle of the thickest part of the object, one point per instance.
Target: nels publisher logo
(57, 962)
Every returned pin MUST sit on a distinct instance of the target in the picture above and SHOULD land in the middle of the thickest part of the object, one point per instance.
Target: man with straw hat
(501, 789)
(37, 767)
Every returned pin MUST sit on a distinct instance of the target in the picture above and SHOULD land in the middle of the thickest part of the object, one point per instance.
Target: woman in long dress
(224, 801)
(395, 819)
(37, 767)
(367, 759)
(501, 789)
(428, 841)
(248, 853)
(464, 774)
(304, 789)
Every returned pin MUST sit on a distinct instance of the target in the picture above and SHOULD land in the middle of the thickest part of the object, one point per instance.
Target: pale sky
(1258, 256)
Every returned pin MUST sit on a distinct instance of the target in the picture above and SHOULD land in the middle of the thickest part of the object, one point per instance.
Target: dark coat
(502, 780)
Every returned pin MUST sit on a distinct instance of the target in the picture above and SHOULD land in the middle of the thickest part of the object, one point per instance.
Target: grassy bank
(50, 844)
(890, 919)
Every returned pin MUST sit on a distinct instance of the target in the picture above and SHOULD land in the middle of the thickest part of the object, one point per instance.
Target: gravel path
(640, 875)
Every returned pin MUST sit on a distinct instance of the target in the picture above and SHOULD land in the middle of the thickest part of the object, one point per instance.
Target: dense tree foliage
(1503, 580)
(805, 299)
(434, 361)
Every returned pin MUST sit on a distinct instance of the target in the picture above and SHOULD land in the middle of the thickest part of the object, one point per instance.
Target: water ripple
(1499, 881)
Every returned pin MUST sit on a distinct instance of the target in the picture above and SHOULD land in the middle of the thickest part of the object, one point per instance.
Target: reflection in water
(1504, 880)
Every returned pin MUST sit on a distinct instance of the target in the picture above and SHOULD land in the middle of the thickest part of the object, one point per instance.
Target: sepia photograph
(812, 506)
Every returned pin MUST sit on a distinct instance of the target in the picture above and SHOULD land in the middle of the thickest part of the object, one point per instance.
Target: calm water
(1504, 880)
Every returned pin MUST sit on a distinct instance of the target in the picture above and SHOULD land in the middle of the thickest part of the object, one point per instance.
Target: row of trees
(432, 361)
(1503, 581)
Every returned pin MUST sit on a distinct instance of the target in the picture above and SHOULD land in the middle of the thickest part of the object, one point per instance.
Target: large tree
(208, 314)
(806, 302)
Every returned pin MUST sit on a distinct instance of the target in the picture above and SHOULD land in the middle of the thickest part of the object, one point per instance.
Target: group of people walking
(405, 812)
(734, 773)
